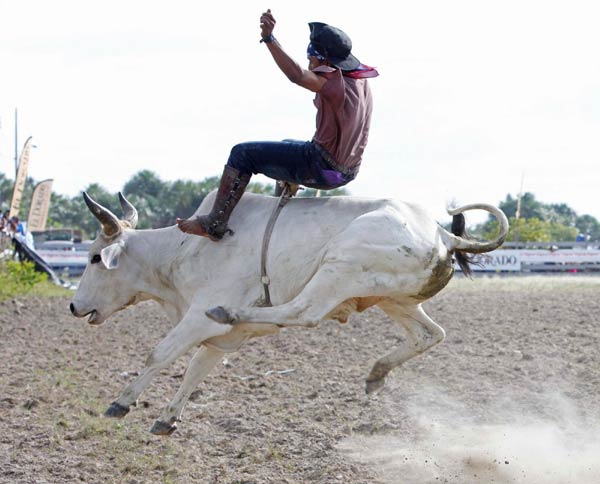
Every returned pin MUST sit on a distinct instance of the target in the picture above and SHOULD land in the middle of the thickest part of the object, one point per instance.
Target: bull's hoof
(373, 386)
(221, 315)
(116, 410)
(163, 428)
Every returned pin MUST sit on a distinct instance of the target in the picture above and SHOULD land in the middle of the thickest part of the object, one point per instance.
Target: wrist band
(268, 39)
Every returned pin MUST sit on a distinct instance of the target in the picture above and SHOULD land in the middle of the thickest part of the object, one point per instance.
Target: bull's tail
(459, 243)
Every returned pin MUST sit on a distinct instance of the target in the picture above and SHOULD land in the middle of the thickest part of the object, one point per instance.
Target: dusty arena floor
(510, 396)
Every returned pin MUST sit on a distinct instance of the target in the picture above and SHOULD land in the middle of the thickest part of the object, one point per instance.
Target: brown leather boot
(214, 224)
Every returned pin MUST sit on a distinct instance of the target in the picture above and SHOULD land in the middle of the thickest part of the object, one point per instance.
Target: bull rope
(287, 193)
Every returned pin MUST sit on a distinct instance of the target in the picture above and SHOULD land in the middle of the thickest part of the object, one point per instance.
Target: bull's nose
(72, 308)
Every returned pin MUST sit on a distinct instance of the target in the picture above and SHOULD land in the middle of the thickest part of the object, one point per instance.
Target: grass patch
(48, 289)
(21, 278)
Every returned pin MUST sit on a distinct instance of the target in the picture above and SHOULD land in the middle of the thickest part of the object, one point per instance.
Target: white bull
(328, 257)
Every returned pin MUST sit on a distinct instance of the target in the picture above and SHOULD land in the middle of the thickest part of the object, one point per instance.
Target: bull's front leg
(191, 331)
(200, 365)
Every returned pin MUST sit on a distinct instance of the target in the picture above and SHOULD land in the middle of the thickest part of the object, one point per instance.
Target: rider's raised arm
(294, 72)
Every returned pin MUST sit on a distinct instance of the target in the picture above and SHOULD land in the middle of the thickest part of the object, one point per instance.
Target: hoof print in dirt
(163, 428)
(116, 410)
(374, 385)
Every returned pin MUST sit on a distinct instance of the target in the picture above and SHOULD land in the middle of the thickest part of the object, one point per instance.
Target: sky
(474, 100)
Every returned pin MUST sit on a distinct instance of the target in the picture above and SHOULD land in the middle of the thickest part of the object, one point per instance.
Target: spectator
(13, 224)
(23, 235)
(21, 228)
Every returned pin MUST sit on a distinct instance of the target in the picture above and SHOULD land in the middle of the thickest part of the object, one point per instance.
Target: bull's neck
(157, 253)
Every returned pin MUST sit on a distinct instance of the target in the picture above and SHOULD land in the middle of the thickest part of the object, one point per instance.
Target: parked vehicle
(72, 235)
(65, 257)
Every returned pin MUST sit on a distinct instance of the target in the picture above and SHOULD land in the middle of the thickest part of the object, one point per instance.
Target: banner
(20, 180)
(561, 256)
(536, 260)
(40, 203)
(497, 261)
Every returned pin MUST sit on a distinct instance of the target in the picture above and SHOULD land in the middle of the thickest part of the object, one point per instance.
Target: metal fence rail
(552, 245)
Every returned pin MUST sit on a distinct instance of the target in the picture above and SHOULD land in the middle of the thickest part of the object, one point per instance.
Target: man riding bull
(332, 158)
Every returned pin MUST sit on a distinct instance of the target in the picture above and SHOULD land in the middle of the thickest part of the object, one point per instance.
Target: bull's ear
(110, 255)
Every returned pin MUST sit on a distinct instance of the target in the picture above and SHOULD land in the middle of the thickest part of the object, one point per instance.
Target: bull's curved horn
(109, 221)
(129, 212)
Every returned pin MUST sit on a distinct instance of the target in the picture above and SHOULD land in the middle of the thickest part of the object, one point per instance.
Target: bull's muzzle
(94, 316)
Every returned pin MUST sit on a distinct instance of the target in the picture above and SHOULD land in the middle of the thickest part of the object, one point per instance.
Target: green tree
(73, 212)
(589, 226)
(6, 188)
(562, 214)
(543, 222)
(311, 192)
(158, 202)
(561, 233)
(532, 230)
(183, 198)
(530, 207)
(146, 191)
(145, 183)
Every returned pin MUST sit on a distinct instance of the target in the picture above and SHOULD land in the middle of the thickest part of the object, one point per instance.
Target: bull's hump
(358, 204)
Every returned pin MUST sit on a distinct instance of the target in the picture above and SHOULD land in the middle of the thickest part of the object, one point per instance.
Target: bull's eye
(96, 259)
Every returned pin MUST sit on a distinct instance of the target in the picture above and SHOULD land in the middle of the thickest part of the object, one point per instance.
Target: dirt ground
(521, 355)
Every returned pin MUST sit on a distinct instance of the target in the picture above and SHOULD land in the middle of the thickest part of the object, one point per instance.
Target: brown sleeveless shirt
(344, 108)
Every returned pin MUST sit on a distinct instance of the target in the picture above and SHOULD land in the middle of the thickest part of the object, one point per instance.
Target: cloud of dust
(563, 447)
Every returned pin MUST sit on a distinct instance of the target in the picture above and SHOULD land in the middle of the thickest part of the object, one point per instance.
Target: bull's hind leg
(199, 366)
(422, 332)
(333, 284)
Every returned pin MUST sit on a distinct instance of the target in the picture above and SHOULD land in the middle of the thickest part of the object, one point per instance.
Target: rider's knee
(239, 158)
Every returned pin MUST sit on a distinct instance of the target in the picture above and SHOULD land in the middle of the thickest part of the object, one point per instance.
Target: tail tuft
(463, 259)
(459, 225)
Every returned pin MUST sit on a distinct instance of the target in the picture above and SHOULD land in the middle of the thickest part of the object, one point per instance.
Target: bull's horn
(109, 221)
(129, 212)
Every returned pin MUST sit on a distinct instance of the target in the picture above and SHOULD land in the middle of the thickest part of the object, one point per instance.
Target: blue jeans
(293, 161)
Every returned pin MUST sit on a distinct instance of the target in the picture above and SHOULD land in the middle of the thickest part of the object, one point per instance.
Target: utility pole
(518, 212)
(16, 144)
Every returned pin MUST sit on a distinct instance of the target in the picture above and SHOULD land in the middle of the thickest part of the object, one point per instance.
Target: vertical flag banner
(40, 204)
(21, 177)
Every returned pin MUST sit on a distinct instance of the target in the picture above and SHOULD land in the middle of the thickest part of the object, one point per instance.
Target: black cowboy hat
(334, 45)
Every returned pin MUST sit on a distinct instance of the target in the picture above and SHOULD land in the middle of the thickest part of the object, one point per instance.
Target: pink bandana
(362, 72)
